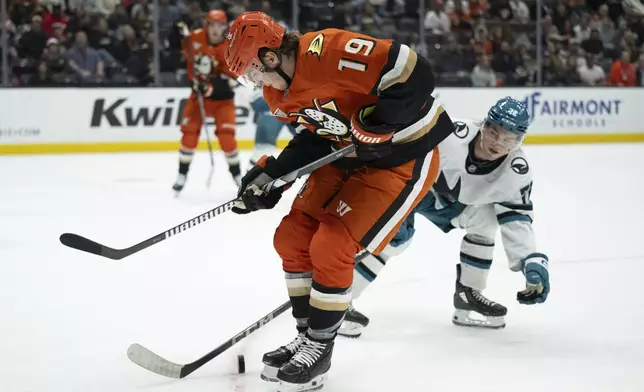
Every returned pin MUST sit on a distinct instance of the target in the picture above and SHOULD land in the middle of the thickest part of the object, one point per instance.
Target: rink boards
(63, 120)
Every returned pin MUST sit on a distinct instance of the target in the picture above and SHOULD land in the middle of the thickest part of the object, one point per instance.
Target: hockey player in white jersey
(484, 183)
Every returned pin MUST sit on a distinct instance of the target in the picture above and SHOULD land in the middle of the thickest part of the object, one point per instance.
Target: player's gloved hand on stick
(202, 87)
(371, 141)
(537, 280)
(253, 196)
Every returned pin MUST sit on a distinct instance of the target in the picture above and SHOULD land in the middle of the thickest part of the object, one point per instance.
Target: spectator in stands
(571, 69)
(58, 32)
(118, 18)
(42, 77)
(582, 29)
(451, 58)
(622, 73)
(55, 17)
(481, 43)
(416, 45)
(193, 17)
(520, 11)
(437, 21)
(85, 61)
(22, 12)
(561, 14)
(592, 74)
(168, 15)
(478, 8)
(124, 47)
(139, 64)
(593, 44)
(142, 22)
(482, 74)
(100, 37)
(629, 42)
(141, 5)
(79, 21)
(640, 70)
(57, 65)
(369, 22)
(33, 42)
(504, 61)
(459, 16)
(451, 5)
(501, 9)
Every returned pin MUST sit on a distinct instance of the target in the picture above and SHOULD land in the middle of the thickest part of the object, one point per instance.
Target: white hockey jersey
(506, 186)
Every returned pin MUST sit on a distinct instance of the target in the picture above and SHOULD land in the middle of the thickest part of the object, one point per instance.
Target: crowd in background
(482, 43)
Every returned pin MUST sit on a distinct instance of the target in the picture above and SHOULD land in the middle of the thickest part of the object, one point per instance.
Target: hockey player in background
(337, 87)
(207, 70)
(268, 128)
(484, 183)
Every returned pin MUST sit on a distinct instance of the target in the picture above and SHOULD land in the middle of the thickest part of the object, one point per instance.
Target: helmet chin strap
(280, 71)
(284, 76)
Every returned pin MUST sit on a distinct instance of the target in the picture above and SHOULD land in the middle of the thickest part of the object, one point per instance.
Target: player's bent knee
(332, 252)
(292, 239)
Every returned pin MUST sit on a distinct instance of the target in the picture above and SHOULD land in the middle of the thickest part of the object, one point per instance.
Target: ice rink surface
(67, 317)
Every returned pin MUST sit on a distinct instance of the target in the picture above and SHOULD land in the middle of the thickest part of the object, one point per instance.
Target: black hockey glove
(253, 196)
(204, 88)
(372, 141)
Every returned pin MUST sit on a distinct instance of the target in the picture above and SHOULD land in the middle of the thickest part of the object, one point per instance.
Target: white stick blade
(152, 362)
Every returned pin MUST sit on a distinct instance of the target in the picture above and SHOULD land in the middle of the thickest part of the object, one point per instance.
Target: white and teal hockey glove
(537, 279)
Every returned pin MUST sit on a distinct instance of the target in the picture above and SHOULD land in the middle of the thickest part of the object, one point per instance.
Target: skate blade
(462, 319)
(350, 329)
(269, 374)
(316, 384)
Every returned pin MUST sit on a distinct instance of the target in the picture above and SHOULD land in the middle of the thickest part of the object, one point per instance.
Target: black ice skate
(468, 300)
(353, 324)
(275, 359)
(308, 368)
(180, 183)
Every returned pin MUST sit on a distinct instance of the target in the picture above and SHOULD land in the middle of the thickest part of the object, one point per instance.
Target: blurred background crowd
(482, 43)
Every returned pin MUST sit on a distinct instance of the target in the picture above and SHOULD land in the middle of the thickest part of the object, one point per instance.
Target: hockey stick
(86, 245)
(186, 33)
(154, 363)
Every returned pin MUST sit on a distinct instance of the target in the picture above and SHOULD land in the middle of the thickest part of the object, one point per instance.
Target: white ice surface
(67, 317)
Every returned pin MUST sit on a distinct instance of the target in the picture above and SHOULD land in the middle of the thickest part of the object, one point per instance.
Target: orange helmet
(249, 33)
(216, 16)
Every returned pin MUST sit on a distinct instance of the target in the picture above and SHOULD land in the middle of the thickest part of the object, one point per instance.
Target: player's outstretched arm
(515, 218)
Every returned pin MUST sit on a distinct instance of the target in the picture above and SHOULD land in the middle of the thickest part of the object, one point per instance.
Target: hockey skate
(353, 324)
(468, 300)
(180, 183)
(308, 368)
(274, 360)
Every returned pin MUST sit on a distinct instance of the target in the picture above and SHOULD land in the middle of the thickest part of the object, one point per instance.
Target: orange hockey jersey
(209, 62)
(338, 72)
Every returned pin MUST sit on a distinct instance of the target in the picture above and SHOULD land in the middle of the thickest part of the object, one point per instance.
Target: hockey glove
(202, 87)
(537, 280)
(251, 193)
(371, 141)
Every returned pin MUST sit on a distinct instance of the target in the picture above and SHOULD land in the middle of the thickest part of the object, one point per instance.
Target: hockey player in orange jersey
(336, 87)
(204, 53)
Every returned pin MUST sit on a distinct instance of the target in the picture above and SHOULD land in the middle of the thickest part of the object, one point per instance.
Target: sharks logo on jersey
(461, 129)
(519, 165)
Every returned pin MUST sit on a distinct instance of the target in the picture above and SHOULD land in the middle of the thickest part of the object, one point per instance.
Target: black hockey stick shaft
(81, 243)
(159, 365)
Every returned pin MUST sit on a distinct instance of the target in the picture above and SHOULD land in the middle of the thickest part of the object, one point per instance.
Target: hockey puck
(241, 364)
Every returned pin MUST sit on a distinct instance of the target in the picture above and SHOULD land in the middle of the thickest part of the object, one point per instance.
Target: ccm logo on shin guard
(343, 208)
